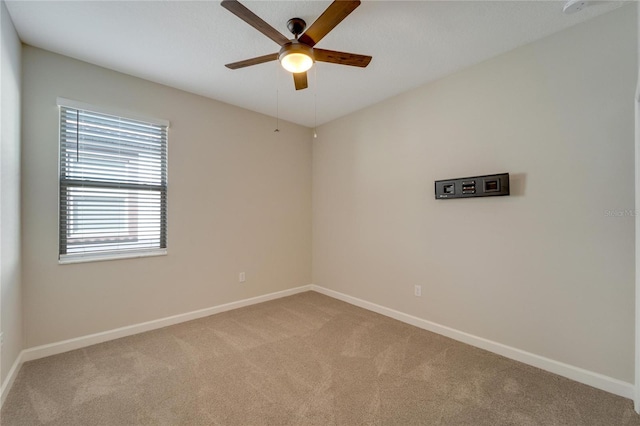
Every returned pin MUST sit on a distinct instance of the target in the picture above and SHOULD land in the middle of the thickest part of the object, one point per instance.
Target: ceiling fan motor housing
(296, 47)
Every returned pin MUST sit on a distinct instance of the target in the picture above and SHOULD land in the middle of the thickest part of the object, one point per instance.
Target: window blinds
(113, 184)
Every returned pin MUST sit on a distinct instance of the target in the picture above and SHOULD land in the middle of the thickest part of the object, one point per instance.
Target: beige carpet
(303, 360)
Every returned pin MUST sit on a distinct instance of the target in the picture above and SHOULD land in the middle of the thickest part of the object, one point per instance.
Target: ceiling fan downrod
(296, 26)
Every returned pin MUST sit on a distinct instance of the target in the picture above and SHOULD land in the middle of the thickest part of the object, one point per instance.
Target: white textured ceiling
(185, 44)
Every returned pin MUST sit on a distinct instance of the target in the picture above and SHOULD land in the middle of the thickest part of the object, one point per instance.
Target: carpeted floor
(302, 360)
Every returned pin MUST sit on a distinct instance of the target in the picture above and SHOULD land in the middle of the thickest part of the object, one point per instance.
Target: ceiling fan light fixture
(296, 62)
(296, 57)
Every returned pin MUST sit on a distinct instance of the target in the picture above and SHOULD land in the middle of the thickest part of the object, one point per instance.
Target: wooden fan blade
(341, 58)
(254, 20)
(253, 61)
(335, 13)
(300, 80)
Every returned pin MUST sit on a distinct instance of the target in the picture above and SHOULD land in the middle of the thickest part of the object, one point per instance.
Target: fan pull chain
(315, 116)
(277, 101)
(315, 102)
(277, 111)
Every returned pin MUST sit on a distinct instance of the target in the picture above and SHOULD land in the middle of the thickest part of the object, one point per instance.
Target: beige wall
(545, 270)
(239, 200)
(10, 281)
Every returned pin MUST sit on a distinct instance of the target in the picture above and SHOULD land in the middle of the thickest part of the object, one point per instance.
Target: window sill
(82, 258)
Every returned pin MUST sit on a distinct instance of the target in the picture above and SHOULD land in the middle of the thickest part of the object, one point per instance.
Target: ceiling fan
(298, 54)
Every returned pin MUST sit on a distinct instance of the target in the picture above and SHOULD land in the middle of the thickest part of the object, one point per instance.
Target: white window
(113, 185)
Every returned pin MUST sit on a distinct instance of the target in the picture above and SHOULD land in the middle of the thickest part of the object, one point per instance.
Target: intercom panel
(477, 186)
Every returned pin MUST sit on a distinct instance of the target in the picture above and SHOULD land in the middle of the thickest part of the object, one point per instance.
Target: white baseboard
(11, 377)
(92, 339)
(590, 378)
(596, 380)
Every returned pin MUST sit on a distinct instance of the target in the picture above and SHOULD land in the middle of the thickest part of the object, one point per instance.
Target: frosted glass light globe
(296, 62)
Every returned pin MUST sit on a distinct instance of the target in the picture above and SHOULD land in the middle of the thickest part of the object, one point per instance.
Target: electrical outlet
(242, 277)
(417, 290)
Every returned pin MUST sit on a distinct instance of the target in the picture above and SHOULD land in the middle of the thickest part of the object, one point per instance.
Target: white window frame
(112, 254)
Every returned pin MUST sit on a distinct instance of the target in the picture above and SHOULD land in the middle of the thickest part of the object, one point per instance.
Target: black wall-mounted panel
(477, 186)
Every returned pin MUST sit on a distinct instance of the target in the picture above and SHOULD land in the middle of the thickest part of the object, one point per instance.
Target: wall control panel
(477, 186)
